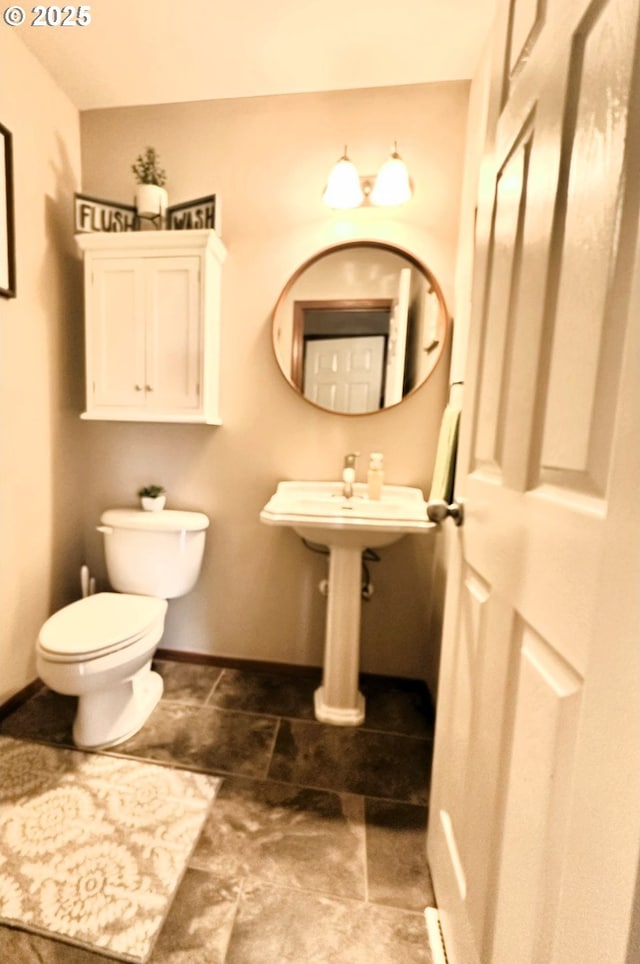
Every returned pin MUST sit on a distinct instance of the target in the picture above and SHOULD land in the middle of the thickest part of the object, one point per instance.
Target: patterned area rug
(92, 848)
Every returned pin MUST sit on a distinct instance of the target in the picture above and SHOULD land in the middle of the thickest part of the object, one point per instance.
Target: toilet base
(105, 718)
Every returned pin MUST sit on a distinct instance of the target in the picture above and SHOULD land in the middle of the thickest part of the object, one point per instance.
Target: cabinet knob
(138, 388)
(148, 388)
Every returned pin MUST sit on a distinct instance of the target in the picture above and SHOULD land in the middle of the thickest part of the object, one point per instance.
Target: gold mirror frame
(376, 259)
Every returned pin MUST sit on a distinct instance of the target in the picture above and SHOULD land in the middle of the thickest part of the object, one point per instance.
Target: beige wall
(40, 348)
(267, 159)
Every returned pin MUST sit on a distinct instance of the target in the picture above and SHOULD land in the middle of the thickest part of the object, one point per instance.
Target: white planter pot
(150, 504)
(151, 200)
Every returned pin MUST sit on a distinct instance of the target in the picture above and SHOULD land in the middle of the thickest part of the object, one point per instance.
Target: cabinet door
(116, 334)
(173, 334)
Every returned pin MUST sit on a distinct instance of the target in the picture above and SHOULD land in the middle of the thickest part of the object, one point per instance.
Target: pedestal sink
(319, 511)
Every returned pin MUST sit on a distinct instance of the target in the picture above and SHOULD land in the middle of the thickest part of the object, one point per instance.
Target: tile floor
(314, 852)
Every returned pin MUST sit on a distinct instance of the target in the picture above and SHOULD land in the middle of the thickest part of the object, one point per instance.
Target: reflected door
(534, 828)
(345, 374)
(397, 349)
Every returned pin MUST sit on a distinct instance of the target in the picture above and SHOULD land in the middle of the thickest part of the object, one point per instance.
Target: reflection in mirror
(359, 327)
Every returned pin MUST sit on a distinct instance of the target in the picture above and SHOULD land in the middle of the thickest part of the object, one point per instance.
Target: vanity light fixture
(343, 189)
(346, 189)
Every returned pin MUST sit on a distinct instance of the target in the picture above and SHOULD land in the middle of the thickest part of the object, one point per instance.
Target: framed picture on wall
(7, 239)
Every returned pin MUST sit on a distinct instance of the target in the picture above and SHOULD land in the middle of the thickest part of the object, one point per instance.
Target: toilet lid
(99, 624)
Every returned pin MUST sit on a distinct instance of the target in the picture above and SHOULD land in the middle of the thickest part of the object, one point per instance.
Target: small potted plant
(151, 196)
(152, 498)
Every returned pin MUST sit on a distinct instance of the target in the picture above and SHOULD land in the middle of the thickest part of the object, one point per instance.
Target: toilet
(100, 648)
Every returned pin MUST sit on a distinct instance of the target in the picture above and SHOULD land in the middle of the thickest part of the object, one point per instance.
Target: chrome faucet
(349, 474)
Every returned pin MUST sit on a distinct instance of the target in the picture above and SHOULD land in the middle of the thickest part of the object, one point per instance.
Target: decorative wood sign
(204, 212)
(95, 214)
(92, 214)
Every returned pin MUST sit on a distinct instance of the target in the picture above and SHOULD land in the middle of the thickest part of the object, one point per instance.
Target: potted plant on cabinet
(152, 498)
(151, 196)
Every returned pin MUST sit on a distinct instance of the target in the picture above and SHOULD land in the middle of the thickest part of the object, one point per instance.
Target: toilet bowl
(100, 648)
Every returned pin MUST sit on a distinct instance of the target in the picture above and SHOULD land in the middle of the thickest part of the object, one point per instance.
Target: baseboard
(18, 699)
(230, 662)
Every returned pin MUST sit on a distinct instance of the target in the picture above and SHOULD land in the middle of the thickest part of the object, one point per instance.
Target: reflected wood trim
(344, 304)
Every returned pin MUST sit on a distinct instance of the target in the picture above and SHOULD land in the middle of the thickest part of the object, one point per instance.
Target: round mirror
(359, 327)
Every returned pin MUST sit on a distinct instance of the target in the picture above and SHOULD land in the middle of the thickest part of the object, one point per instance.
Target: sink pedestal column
(338, 700)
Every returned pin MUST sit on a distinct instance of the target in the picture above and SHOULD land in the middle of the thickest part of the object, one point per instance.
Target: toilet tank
(153, 553)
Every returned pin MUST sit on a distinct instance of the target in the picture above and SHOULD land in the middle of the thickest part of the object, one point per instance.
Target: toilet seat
(98, 625)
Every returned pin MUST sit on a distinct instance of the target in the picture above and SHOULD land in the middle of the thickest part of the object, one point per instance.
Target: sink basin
(319, 512)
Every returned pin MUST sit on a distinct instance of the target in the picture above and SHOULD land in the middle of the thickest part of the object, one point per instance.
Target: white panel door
(344, 374)
(534, 832)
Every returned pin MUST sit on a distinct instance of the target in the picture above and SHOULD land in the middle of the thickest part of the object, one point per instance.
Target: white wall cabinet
(152, 325)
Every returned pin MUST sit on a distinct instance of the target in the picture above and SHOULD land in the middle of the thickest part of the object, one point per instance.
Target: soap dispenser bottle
(375, 476)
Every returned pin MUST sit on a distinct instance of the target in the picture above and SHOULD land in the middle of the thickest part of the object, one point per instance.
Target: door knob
(438, 510)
